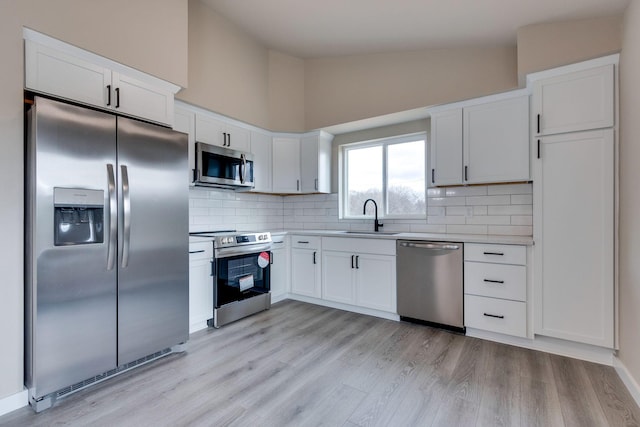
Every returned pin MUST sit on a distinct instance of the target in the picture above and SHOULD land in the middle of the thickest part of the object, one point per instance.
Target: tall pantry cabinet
(574, 157)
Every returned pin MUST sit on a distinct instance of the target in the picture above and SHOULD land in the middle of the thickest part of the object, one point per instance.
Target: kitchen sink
(383, 233)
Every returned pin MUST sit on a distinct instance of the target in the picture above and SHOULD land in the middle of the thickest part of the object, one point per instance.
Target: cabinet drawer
(305, 242)
(501, 254)
(200, 250)
(360, 246)
(495, 280)
(496, 315)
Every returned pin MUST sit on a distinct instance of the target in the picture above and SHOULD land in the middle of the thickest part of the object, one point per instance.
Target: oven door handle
(229, 252)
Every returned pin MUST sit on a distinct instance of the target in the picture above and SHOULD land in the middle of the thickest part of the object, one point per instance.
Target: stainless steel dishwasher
(430, 283)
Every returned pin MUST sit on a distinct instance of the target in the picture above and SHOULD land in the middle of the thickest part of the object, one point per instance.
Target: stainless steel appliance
(223, 168)
(106, 247)
(430, 283)
(241, 274)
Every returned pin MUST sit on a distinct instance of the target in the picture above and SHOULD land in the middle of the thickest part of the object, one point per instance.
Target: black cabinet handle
(538, 148)
(196, 252)
(271, 256)
(538, 123)
(433, 176)
(108, 95)
(352, 257)
(494, 315)
(306, 242)
(494, 253)
(494, 281)
(117, 97)
(229, 142)
(357, 261)
(466, 173)
(314, 257)
(213, 268)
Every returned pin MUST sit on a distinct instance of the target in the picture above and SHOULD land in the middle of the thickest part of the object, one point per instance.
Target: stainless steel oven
(241, 275)
(223, 168)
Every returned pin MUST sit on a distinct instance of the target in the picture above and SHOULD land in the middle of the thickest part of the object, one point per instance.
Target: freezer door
(70, 289)
(153, 258)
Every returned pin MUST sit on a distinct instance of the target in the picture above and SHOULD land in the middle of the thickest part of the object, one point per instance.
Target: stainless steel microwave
(223, 168)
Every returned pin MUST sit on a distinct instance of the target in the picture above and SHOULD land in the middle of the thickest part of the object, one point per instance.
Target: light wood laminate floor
(305, 365)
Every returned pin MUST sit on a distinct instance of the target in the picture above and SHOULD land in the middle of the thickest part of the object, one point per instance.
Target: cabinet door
(309, 164)
(576, 101)
(496, 141)
(376, 282)
(305, 272)
(200, 290)
(185, 121)
(261, 147)
(286, 165)
(338, 276)
(55, 73)
(238, 138)
(574, 199)
(446, 148)
(210, 130)
(140, 99)
(279, 274)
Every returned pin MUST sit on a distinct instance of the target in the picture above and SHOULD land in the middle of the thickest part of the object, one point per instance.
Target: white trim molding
(628, 380)
(13, 402)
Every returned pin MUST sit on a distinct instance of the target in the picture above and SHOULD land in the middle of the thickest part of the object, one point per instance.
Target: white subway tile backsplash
(489, 200)
(496, 209)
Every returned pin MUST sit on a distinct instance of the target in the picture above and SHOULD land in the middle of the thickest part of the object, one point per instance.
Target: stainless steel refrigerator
(106, 246)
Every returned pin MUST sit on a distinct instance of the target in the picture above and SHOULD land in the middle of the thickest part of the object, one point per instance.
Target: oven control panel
(242, 239)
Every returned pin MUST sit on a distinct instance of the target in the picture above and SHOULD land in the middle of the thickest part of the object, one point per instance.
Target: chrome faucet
(376, 223)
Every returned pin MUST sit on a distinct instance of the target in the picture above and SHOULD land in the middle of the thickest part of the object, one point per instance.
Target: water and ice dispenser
(78, 216)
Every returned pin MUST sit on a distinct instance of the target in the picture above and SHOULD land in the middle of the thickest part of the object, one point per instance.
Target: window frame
(384, 143)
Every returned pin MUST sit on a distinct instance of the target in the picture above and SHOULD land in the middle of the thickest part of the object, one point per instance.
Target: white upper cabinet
(211, 130)
(315, 162)
(80, 76)
(576, 101)
(185, 121)
(286, 164)
(261, 148)
(484, 142)
(496, 141)
(446, 148)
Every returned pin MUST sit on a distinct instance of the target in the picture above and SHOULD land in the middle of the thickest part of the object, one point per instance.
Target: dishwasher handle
(431, 246)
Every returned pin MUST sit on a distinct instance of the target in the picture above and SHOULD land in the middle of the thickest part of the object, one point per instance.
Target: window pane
(405, 178)
(364, 178)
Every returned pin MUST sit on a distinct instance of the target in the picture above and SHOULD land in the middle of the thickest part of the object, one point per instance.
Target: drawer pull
(196, 252)
(303, 241)
(494, 281)
(494, 253)
(494, 315)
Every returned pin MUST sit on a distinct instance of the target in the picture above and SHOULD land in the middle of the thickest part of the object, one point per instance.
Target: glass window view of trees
(391, 172)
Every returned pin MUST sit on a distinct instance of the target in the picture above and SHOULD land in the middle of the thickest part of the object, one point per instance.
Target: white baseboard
(590, 353)
(627, 379)
(13, 402)
(345, 307)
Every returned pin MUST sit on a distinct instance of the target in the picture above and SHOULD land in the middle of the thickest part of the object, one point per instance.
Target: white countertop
(438, 237)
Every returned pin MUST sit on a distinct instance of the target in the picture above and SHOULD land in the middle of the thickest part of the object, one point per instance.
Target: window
(390, 171)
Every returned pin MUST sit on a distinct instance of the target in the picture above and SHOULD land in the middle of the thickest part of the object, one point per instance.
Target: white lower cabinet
(305, 266)
(279, 268)
(200, 285)
(352, 276)
(495, 288)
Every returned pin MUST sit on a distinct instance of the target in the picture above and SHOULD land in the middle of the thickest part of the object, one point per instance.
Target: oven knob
(260, 237)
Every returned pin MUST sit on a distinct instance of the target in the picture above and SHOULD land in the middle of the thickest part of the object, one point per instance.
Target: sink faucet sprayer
(376, 223)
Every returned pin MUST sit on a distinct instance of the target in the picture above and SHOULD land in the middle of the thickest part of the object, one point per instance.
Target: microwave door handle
(126, 216)
(243, 168)
(113, 218)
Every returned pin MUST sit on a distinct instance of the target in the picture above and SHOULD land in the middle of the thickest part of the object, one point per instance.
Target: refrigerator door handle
(113, 218)
(126, 216)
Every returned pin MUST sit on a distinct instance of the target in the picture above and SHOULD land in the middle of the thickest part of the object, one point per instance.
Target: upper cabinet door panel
(261, 147)
(286, 165)
(56, 73)
(576, 101)
(141, 99)
(446, 148)
(496, 141)
(210, 130)
(238, 138)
